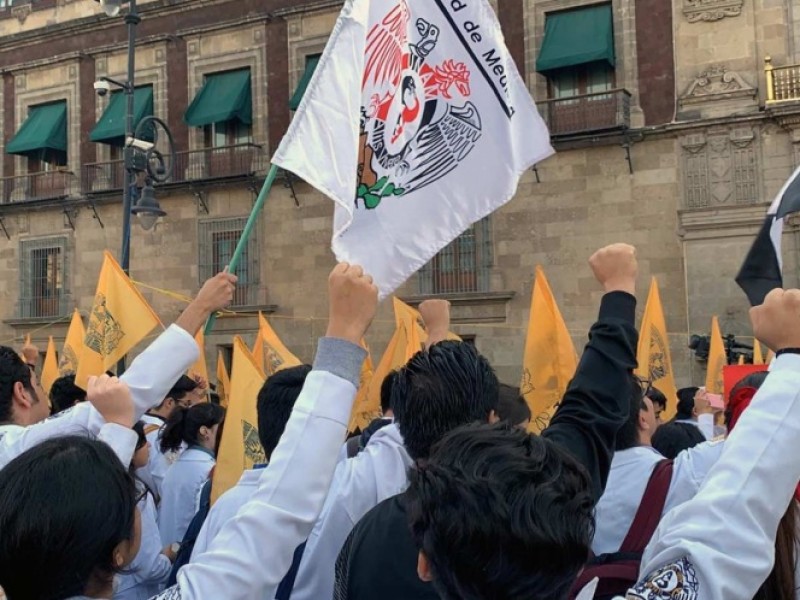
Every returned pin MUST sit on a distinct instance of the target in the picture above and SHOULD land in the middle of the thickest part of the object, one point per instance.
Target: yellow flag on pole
(200, 367)
(550, 358)
(758, 358)
(741, 359)
(73, 346)
(653, 355)
(276, 355)
(415, 326)
(50, 368)
(717, 359)
(119, 320)
(223, 381)
(258, 349)
(362, 412)
(240, 447)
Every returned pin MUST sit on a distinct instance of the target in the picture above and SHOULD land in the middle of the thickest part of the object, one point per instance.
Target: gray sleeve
(340, 358)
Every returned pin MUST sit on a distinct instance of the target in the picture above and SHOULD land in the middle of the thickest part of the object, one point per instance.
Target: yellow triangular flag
(28, 340)
(50, 368)
(717, 359)
(741, 359)
(73, 346)
(120, 319)
(258, 349)
(550, 359)
(223, 381)
(653, 356)
(415, 326)
(758, 358)
(239, 448)
(200, 367)
(362, 412)
(276, 355)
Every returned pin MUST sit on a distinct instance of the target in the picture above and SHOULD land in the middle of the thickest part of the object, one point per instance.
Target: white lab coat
(251, 555)
(158, 463)
(720, 545)
(149, 377)
(180, 493)
(148, 573)
(378, 472)
(630, 472)
(225, 508)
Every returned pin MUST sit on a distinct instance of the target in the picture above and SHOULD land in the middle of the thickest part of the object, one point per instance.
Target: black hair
(275, 404)
(500, 513)
(511, 406)
(65, 394)
(671, 439)
(448, 385)
(13, 370)
(657, 397)
(141, 440)
(686, 403)
(386, 391)
(753, 380)
(184, 425)
(628, 434)
(185, 385)
(65, 505)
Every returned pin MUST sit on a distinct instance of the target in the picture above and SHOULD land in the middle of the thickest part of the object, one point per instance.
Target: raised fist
(112, 399)
(217, 292)
(353, 301)
(615, 267)
(777, 322)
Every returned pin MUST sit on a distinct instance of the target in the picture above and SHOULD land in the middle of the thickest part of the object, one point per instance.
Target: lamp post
(139, 156)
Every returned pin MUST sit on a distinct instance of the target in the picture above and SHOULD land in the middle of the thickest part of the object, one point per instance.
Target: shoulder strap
(650, 509)
(148, 429)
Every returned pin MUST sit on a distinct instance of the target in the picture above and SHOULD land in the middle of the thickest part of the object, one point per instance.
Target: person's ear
(21, 396)
(424, 568)
(204, 432)
(643, 424)
(493, 418)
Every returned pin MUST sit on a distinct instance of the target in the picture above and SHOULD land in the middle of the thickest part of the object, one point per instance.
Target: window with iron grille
(463, 266)
(217, 241)
(43, 286)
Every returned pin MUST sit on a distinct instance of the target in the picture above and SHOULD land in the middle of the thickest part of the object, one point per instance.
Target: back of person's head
(628, 435)
(686, 403)
(182, 388)
(671, 439)
(66, 506)
(65, 394)
(275, 403)
(658, 399)
(449, 385)
(511, 407)
(13, 371)
(386, 392)
(741, 395)
(184, 425)
(500, 513)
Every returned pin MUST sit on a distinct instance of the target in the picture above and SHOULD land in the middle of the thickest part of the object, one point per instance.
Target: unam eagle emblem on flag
(417, 123)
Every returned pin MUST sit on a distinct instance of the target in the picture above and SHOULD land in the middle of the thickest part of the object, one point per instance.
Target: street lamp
(111, 7)
(147, 208)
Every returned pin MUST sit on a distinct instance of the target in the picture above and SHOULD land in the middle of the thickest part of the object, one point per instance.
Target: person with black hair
(659, 401)
(512, 408)
(671, 439)
(695, 409)
(84, 538)
(357, 443)
(149, 377)
(275, 403)
(379, 559)
(179, 396)
(198, 428)
(65, 394)
(147, 574)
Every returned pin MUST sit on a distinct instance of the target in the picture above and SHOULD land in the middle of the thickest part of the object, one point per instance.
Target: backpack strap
(148, 429)
(650, 509)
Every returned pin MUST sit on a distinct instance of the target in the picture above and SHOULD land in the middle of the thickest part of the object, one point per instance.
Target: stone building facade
(675, 142)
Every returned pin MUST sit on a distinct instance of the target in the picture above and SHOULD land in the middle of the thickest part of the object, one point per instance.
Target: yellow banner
(717, 359)
(223, 381)
(276, 355)
(73, 346)
(50, 368)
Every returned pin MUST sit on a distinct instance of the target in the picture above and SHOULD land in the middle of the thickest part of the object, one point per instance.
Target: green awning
(224, 97)
(577, 37)
(110, 129)
(44, 129)
(311, 66)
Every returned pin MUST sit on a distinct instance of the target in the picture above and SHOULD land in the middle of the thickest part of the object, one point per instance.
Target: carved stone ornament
(717, 83)
(21, 12)
(711, 10)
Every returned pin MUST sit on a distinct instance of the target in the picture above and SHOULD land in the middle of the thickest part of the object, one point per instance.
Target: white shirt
(225, 508)
(180, 493)
(630, 472)
(150, 377)
(158, 463)
(378, 472)
(148, 573)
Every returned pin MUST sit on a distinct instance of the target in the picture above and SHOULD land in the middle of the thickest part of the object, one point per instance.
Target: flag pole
(248, 228)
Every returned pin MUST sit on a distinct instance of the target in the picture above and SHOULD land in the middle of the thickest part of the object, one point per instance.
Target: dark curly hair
(13, 370)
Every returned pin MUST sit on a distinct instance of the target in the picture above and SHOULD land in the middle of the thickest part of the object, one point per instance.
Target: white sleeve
(720, 545)
(122, 441)
(705, 423)
(691, 467)
(238, 564)
(150, 566)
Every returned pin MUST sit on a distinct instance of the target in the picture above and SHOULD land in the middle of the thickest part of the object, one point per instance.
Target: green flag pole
(248, 228)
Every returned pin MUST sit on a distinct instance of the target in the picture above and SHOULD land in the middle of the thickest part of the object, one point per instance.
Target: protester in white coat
(198, 428)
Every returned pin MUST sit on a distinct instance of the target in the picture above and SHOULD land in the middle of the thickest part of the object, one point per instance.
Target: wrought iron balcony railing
(783, 83)
(587, 113)
(46, 185)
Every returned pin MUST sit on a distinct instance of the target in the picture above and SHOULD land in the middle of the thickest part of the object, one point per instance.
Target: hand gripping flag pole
(248, 229)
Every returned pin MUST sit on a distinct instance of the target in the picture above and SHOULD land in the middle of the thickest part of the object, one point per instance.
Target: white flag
(417, 124)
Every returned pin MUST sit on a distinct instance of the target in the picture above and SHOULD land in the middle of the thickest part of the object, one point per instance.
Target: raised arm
(595, 404)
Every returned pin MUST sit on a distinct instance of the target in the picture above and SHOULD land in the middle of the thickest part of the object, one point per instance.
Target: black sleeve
(596, 402)
(341, 587)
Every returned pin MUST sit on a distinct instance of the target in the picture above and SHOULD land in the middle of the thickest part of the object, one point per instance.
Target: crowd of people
(445, 496)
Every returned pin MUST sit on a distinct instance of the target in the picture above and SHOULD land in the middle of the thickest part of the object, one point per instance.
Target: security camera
(142, 145)
(102, 87)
